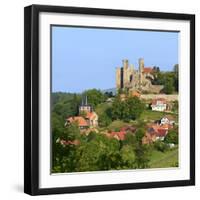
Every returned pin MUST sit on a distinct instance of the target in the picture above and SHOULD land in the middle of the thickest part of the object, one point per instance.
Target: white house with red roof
(167, 120)
(159, 104)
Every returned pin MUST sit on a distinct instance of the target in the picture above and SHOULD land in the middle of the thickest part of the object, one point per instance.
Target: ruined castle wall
(168, 97)
(141, 68)
(156, 88)
(125, 74)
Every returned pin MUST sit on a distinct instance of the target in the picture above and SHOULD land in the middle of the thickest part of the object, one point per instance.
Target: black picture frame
(31, 99)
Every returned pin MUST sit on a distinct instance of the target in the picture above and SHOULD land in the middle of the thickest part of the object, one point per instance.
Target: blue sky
(86, 58)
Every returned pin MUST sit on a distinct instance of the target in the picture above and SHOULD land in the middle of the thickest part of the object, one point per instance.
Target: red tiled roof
(148, 69)
(80, 120)
(165, 126)
(154, 101)
(158, 130)
(119, 135)
(128, 128)
(161, 132)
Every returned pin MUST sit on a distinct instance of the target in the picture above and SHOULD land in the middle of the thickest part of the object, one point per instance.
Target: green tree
(142, 154)
(135, 107)
(142, 151)
(139, 134)
(168, 79)
(64, 156)
(172, 137)
(168, 85)
(128, 109)
(175, 106)
(127, 157)
(95, 97)
(100, 153)
(57, 125)
(176, 71)
(104, 120)
(108, 94)
(130, 139)
(71, 132)
(117, 108)
(65, 104)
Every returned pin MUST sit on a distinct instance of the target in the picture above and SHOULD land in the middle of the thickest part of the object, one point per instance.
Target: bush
(104, 120)
(161, 146)
(172, 137)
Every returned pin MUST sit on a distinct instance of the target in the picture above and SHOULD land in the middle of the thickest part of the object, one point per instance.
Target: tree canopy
(95, 97)
(128, 109)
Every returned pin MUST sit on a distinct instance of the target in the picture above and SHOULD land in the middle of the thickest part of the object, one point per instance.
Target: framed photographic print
(109, 100)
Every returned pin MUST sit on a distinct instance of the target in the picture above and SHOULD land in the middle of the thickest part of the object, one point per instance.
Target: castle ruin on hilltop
(136, 80)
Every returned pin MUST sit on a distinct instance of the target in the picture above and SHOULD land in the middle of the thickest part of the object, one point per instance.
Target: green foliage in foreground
(97, 152)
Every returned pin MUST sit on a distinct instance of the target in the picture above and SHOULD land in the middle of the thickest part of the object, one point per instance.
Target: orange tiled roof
(90, 115)
(80, 120)
(147, 70)
(165, 126)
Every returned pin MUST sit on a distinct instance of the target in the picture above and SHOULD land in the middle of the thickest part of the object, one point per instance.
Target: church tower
(85, 107)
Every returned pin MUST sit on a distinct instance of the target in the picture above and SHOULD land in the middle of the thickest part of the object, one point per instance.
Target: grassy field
(162, 160)
(117, 124)
(149, 115)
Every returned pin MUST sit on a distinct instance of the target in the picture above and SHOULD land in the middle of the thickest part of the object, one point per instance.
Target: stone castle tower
(135, 80)
(141, 69)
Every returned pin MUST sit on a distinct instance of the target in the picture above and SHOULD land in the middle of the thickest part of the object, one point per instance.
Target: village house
(87, 117)
(155, 132)
(159, 104)
(92, 119)
(120, 135)
(81, 122)
(167, 120)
